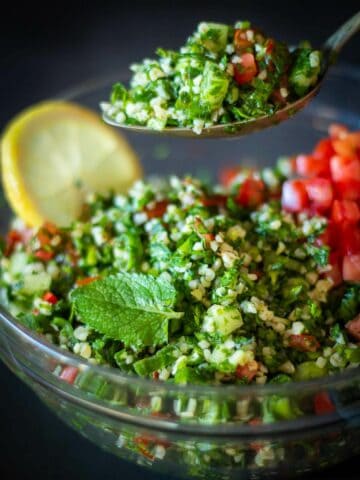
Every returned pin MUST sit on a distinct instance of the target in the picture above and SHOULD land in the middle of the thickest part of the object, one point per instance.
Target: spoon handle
(337, 40)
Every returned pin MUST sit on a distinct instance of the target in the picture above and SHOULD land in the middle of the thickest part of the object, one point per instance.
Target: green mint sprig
(130, 307)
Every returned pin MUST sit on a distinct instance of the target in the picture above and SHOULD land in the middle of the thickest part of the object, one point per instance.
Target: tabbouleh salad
(178, 280)
(221, 75)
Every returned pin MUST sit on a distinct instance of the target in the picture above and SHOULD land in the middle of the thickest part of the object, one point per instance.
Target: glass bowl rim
(65, 357)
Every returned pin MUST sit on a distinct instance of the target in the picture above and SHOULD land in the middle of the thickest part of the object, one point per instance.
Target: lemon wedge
(54, 153)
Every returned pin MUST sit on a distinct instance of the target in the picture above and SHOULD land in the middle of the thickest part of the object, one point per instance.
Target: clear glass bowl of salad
(227, 431)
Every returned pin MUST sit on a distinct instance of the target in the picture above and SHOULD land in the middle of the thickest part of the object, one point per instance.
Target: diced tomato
(347, 144)
(294, 196)
(214, 201)
(157, 210)
(344, 169)
(241, 41)
(251, 192)
(349, 239)
(148, 439)
(208, 237)
(323, 404)
(81, 282)
(12, 239)
(324, 149)
(44, 255)
(245, 71)
(345, 211)
(335, 274)
(255, 421)
(269, 46)
(145, 453)
(304, 342)
(46, 232)
(69, 374)
(349, 190)
(277, 98)
(320, 192)
(228, 175)
(311, 166)
(50, 298)
(353, 327)
(247, 371)
(337, 130)
(351, 268)
(330, 236)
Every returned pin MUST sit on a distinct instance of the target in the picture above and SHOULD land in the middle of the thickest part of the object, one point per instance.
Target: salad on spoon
(225, 81)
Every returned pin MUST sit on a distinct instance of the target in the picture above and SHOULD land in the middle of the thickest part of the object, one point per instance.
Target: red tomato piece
(350, 239)
(335, 274)
(50, 298)
(208, 237)
(255, 421)
(251, 192)
(12, 239)
(351, 268)
(323, 404)
(353, 327)
(157, 210)
(269, 45)
(148, 439)
(241, 41)
(324, 149)
(349, 190)
(320, 192)
(228, 175)
(330, 236)
(311, 166)
(214, 201)
(69, 374)
(304, 342)
(344, 169)
(81, 282)
(294, 196)
(245, 71)
(46, 233)
(44, 255)
(247, 371)
(347, 144)
(337, 130)
(345, 211)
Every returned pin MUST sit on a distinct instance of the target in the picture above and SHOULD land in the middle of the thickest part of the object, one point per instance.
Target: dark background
(44, 50)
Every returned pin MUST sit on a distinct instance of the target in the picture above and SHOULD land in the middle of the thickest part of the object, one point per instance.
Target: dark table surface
(46, 50)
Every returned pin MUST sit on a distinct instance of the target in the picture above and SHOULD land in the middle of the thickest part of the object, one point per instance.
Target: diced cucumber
(17, 262)
(213, 36)
(162, 359)
(214, 86)
(222, 319)
(35, 283)
(308, 371)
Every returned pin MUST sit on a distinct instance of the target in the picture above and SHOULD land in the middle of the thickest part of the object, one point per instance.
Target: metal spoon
(331, 48)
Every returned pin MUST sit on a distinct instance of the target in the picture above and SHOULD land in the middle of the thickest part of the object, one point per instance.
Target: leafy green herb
(350, 304)
(319, 254)
(132, 308)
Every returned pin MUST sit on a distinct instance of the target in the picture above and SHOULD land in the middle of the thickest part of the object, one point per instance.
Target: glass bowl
(202, 431)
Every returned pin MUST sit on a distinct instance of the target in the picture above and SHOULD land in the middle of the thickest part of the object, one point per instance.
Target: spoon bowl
(331, 48)
(234, 129)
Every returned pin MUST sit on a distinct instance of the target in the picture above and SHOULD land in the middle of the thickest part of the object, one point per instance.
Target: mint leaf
(130, 307)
